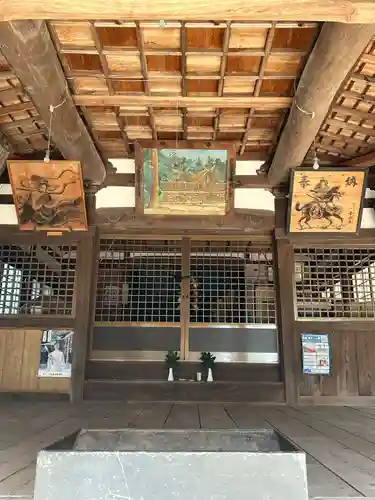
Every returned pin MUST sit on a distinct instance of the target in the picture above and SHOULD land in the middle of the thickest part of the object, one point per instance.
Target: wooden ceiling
(348, 130)
(231, 82)
(200, 81)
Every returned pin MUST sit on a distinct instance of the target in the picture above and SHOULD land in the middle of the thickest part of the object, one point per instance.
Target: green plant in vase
(208, 361)
(172, 361)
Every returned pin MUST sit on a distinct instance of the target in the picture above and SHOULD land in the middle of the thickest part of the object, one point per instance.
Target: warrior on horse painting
(322, 207)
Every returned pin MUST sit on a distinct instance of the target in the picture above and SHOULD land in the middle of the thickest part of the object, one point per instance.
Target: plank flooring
(339, 442)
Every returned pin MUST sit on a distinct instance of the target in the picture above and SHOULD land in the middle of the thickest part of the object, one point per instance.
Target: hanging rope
(51, 111)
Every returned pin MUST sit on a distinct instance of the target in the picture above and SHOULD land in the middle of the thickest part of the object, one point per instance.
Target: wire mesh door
(182, 285)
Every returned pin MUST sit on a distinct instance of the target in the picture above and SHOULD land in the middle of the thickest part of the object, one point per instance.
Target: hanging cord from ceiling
(51, 111)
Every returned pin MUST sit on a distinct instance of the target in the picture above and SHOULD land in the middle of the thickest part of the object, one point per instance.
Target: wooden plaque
(48, 196)
(183, 181)
(326, 200)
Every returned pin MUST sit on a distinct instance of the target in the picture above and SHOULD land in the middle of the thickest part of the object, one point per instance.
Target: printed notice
(315, 354)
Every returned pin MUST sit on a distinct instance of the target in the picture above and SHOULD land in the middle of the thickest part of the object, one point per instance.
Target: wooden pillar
(85, 298)
(285, 276)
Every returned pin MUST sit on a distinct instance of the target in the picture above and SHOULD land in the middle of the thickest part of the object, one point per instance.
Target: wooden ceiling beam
(183, 102)
(28, 47)
(367, 160)
(344, 11)
(6, 150)
(337, 49)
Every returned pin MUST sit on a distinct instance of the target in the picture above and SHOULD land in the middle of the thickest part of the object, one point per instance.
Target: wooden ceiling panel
(165, 122)
(103, 121)
(125, 63)
(163, 64)
(202, 87)
(279, 87)
(247, 38)
(238, 85)
(161, 38)
(128, 86)
(77, 35)
(284, 64)
(136, 133)
(86, 85)
(165, 86)
(232, 120)
(296, 39)
(243, 64)
(117, 37)
(83, 62)
(204, 38)
(203, 64)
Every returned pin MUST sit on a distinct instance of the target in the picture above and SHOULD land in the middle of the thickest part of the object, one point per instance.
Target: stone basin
(136, 464)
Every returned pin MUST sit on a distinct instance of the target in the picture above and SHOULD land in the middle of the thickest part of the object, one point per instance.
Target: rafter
(28, 47)
(223, 66)
(267, 51)
(103, 61)
(336, 51)
(144, 70)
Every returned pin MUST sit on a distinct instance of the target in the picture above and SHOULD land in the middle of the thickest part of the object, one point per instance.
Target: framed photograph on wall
(56, 353)
(328, 200)
(181, 180)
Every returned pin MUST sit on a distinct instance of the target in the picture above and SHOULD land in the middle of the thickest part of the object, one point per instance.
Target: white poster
(315, 354)
(56, 353)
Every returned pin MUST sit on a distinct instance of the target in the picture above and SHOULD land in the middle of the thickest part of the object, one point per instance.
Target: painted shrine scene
(48, 196)
(326, 201)
(185, 181)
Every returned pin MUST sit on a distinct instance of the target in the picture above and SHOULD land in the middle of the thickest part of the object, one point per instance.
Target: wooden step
(147, 370)
(178, 391)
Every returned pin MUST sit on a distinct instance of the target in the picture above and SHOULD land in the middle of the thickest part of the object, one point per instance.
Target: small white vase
(209, 376)
(170, 375)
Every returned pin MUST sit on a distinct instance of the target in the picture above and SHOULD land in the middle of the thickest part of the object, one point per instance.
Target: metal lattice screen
(234, 283)
(335, 283)
(37, 279)
(138, 281)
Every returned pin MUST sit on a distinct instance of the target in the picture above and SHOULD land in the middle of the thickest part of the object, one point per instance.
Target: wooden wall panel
(365, 344)
(353, 367)
(19, 361)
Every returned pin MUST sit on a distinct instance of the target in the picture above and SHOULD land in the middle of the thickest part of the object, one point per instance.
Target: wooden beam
(28, 47)
(336, 51)
(344, 11)
(367, 160)
(183, 102)
(5, 150)
(251, 222)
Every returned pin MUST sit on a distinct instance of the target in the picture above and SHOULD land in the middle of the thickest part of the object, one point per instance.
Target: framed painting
(326, 200)
(48, 196)
(184, 181)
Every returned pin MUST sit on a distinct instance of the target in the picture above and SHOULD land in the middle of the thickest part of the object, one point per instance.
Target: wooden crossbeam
(344, 11)
(258, 85)
(183, 102)
(144, 69)
(336, 51)
(28, 48)
(103, 61)
(223, 67)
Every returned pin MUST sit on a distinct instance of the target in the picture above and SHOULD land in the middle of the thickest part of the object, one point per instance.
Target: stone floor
(339, 441)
